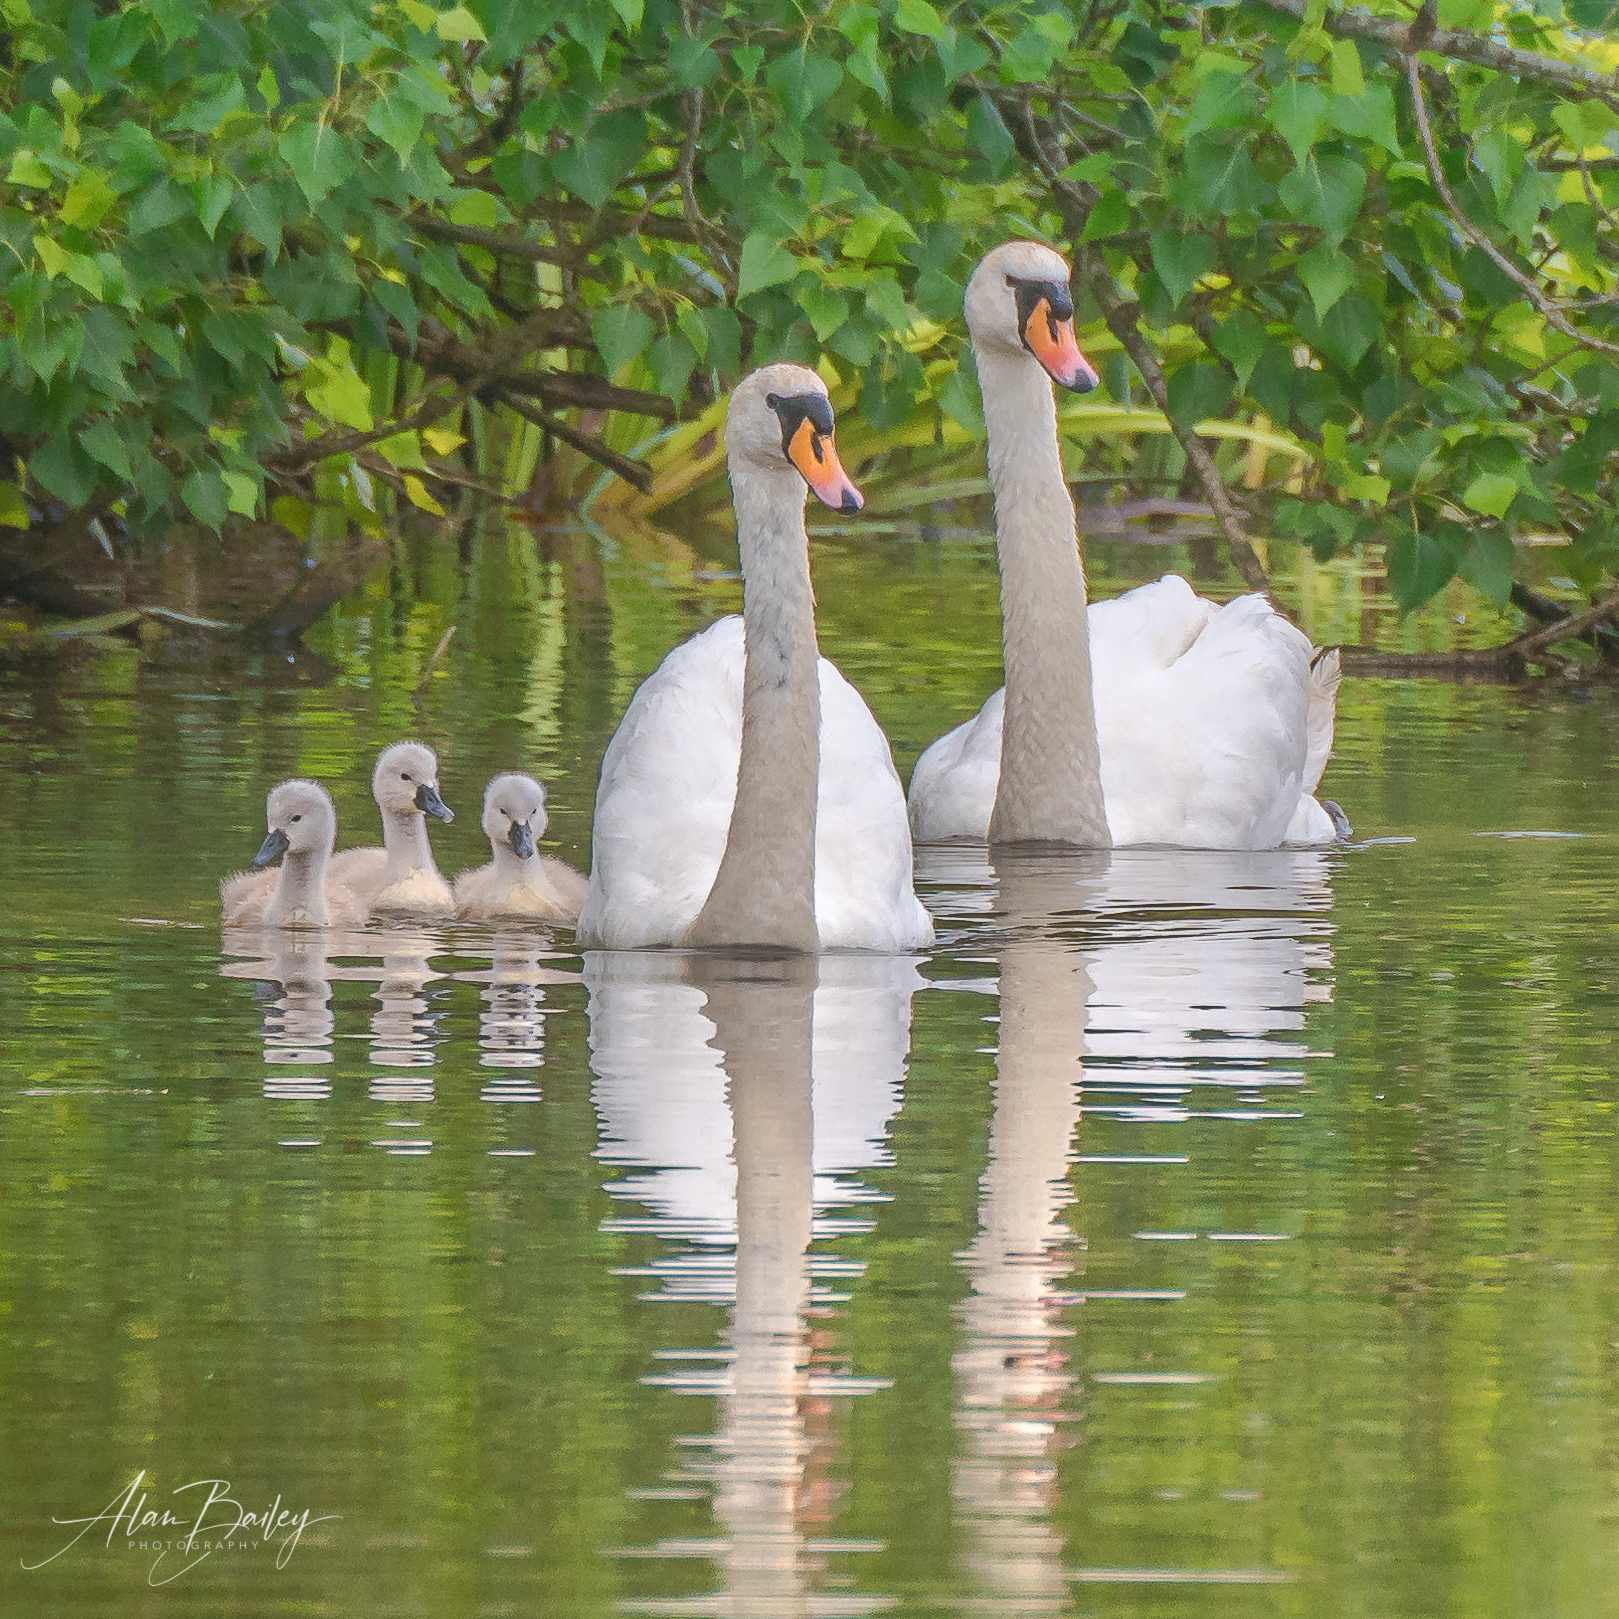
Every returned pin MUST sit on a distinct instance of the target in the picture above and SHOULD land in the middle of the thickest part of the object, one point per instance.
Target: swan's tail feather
(1325, 673)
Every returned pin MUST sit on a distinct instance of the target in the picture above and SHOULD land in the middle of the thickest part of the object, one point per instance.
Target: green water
(634, 1285)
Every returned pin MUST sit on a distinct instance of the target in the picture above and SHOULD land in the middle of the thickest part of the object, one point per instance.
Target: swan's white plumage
(1208, 726)
(663, 810)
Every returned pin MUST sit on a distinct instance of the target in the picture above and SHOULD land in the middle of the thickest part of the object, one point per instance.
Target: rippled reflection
(1127, 984)
(744, 1094)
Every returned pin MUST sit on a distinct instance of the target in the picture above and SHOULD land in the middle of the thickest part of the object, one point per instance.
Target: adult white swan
(1154, 718)
(745, 799)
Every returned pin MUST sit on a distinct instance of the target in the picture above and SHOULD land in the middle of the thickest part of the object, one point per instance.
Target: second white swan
(1156, 718)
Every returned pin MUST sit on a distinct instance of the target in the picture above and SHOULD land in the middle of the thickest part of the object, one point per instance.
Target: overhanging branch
(1460, 46)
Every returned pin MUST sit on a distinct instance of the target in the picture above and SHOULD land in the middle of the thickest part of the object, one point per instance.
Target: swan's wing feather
(1325, 673)
(1208, 752)
(864, 896)
(663, 808)
(1151, 626)
(953, 783)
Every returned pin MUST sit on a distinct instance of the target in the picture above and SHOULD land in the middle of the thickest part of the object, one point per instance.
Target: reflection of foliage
(250, 243)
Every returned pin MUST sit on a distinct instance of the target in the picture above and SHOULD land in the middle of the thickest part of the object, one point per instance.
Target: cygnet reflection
(511, 1026)
(744, 1094)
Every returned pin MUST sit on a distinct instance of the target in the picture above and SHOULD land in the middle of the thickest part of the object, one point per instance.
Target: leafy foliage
(255, 250)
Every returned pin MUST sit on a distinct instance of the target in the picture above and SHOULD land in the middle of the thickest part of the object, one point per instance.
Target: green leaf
(205, 498)
(159, 205)
(397, 123)
(621, 332)
(1240, 338)
(1347, 78)
(827, 309)
(401, 450)
(885, 298)
(1221, 180)
(764, 263)
(320, 158)
(1369, 116)
(474, 208)
(595, 163)
(988, 134)
(63, 468)
(960, 399)
(672, 364)
(631, 11)
(1327, 275)
(802, 82)
(918, 17)
(101, 439)
(1488, 564)
(693, 62)
(13, 508)
(1418, 566)
(1325, 192)
(724, 339)
(1297, 112)
(459, 24)
(87, 201)
(27, 170)
(1109, 215)
(241, 494)
(337, 390)
(1223, 101)
(1491, 493)
(1182, 259)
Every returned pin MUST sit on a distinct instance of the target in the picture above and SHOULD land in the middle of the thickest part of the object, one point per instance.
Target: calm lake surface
(1185, 1235)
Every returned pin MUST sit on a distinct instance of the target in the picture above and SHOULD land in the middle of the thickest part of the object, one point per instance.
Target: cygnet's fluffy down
(519, 884)
(401, 879)
(301, 828)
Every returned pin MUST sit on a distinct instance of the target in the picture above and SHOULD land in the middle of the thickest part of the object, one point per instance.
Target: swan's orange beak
(1050, 339)
(815, 455)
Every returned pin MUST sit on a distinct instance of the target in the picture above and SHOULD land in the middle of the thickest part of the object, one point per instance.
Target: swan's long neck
(764, 892)
(1051, 777)
(404, 836)
(300, 886)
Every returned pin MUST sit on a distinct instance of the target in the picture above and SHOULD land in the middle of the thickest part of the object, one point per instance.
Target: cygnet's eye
(297, 818)
(404, 775)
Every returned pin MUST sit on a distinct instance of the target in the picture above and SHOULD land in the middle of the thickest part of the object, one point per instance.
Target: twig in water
(432, 663)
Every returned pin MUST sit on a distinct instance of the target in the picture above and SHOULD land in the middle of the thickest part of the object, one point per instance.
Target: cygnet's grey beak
(521, 840)
(429, 803)
(273, 847)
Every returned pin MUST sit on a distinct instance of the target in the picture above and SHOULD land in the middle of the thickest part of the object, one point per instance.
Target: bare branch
(310, 451)
(1549, 308)
(632, 471)
(1526, 646)
(1461, 46)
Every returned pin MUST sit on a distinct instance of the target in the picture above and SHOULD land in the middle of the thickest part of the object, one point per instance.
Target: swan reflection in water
(1164, 971)
(408, 1024)
(742, 1096)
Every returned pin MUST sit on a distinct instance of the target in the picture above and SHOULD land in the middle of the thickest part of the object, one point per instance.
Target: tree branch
(1549, 308)
(1460, 46)
(632, 471)
(1576, 624)
(318, 449)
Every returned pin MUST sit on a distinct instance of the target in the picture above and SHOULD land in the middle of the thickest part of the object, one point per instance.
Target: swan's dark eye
(296, 819)
(404, 775)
